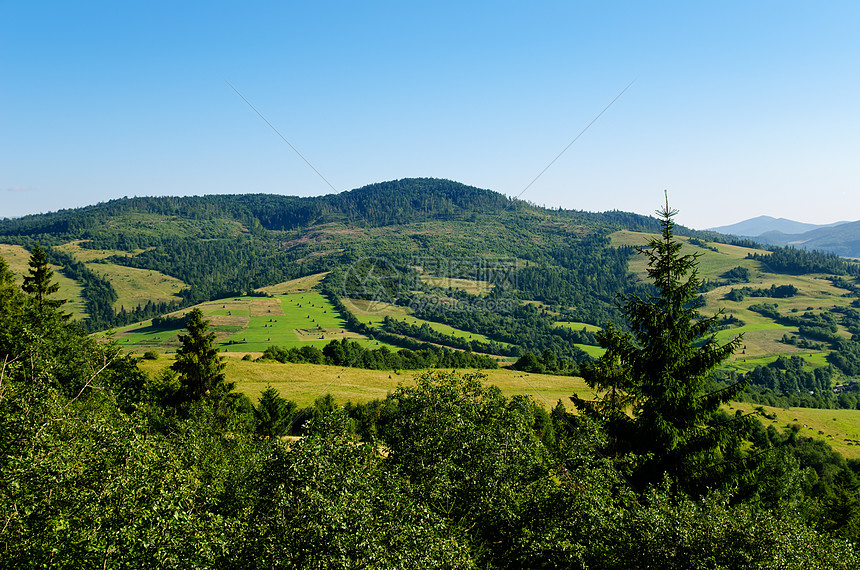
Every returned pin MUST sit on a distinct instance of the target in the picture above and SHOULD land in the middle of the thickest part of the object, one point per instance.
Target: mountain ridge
(760, 225)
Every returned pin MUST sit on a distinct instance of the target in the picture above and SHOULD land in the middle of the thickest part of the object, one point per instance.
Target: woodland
(103, 465)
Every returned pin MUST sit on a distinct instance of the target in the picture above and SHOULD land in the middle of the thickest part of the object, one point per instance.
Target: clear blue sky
(738, 108)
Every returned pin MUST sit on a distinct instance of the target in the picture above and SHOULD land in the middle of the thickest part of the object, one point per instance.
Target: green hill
(419, 262)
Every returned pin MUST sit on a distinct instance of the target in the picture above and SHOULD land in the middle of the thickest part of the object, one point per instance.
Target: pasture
(17, 259)
(133, 286)
(374, 312)
(303, 383)
(840, 428)
(251, 325)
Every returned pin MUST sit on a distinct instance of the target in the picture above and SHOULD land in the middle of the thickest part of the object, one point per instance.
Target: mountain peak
(760, 225)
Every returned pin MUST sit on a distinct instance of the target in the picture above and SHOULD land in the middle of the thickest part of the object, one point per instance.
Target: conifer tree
(660, 373)
(200, 367)
(38, 283)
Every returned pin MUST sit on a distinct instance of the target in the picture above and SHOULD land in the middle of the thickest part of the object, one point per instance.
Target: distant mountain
(843, 239)
(761, 225)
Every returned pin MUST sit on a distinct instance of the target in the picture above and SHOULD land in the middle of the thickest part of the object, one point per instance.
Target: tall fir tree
(200, 367)
(39, 282)
(660, 374)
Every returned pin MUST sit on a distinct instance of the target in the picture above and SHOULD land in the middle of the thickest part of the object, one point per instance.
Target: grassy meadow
(251, 325)
(133, 286)
(303, 383)
(761, 335)
(17, 258)
(840, 428)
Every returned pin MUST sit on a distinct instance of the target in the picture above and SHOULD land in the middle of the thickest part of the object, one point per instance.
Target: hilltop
(433, 265)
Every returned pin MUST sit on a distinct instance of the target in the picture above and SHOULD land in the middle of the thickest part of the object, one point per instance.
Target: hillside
(205, 248)
(414, 263)
(432, 266)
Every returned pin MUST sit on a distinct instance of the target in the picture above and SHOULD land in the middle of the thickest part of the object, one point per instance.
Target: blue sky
(737, 108)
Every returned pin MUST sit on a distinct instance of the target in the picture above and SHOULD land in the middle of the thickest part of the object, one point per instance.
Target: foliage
(39, 281)
(798, 261)
(198, 364)
(661, 370)
(273, 414)
(781, 292)
(349, 353)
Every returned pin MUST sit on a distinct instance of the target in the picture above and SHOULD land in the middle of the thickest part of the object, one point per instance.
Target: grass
(468, 285)
(592, 351)
(303, 383)
(250, 325)
(18, 257)
(840, 428)
(300, 285)
(374, 312)
(133, 286)
(577, 326)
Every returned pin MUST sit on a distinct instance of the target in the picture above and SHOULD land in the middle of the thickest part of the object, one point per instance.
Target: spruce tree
(38, 283)
(655, 380)
(200, 367)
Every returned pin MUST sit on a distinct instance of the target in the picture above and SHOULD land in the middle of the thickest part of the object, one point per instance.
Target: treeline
(774, 292)
(800, 261)
(815, 326)
(220, 268)
(351, 354)
(427, 334)
(105, 466)
(546, 363)
(99, 297)
(526, 326)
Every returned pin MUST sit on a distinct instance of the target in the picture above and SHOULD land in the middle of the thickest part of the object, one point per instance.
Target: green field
(577, 326)
(840, 428)
(374, 312)
(468, 285)
(249, 325)
(16, 258)
(133, 286)
(305, 382)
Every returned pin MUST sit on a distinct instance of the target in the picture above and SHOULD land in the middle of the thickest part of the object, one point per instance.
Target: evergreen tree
(273, 414)
(200, 368)
(660, 373)
(38, 282)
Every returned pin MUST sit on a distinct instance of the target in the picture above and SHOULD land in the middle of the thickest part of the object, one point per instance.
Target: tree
(660, 372)
(200, 368)
(273, 414)
(38, 282)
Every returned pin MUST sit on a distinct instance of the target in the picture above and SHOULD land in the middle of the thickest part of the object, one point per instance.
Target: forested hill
(384, 203)
(221, 245)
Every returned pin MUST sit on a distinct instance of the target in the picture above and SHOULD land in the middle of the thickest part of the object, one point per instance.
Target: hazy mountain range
(841, 238)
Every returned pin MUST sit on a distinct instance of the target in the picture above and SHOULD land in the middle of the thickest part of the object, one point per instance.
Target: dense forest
(220, 246)
(105, 466)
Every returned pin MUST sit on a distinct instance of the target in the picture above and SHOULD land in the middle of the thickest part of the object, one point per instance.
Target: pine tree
(660, 373)
(38, 282)
(273, 414)
(200, 368)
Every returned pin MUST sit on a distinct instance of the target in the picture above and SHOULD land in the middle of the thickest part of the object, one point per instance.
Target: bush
(150, 355)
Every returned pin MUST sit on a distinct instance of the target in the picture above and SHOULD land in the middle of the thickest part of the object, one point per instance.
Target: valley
(461, 267)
